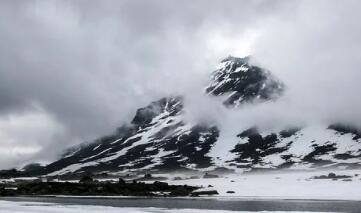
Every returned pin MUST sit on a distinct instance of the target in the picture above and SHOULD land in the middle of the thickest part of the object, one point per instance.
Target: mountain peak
(237, 59)
(242, 82)
(145, 115)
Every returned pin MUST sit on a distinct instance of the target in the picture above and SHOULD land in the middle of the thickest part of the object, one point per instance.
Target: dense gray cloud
(317, 54)
(84, 67)
(313, 47)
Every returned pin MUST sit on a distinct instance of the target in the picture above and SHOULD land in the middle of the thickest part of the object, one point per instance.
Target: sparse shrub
(207, 175)
(331, 175)
(148, 175)
(179, 191)
(121, 181)
(160, 185)
(210, 192)
(86, 179)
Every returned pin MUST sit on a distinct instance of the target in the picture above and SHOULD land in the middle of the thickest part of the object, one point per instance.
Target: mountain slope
(159, 138)
(156, 139)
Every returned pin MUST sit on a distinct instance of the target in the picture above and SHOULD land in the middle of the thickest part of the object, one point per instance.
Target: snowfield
(296, 185)
(268, 185)
(258, 187)
(34, 207)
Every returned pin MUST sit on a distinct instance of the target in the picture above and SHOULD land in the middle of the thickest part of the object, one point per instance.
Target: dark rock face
(346, 129)
(200, 193)
(257, 147)
(207, 175)
(159, 138)
(333, 176)
(145, 115)
(318, 151)
(243, 82)
(289, 132)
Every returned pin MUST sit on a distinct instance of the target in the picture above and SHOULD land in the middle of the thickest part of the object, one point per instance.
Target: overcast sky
(71, 71)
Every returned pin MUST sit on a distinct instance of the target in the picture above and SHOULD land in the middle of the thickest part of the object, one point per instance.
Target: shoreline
(218, 198)
(179, 204)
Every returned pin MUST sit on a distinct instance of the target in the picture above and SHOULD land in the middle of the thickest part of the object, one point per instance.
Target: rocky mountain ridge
(159, 139)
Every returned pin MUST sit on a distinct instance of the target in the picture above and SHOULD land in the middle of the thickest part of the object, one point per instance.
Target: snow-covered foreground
(298, 185)
(34, 207)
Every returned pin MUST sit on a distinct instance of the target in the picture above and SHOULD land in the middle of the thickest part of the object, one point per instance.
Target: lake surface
(206, 203)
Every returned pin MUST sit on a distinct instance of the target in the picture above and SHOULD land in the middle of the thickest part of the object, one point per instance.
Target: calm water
(216, 204)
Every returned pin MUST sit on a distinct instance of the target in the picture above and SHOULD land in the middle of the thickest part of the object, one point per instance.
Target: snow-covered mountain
(240, 82)
(159, 138)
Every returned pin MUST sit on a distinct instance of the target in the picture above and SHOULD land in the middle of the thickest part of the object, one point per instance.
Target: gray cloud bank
(71, 71)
